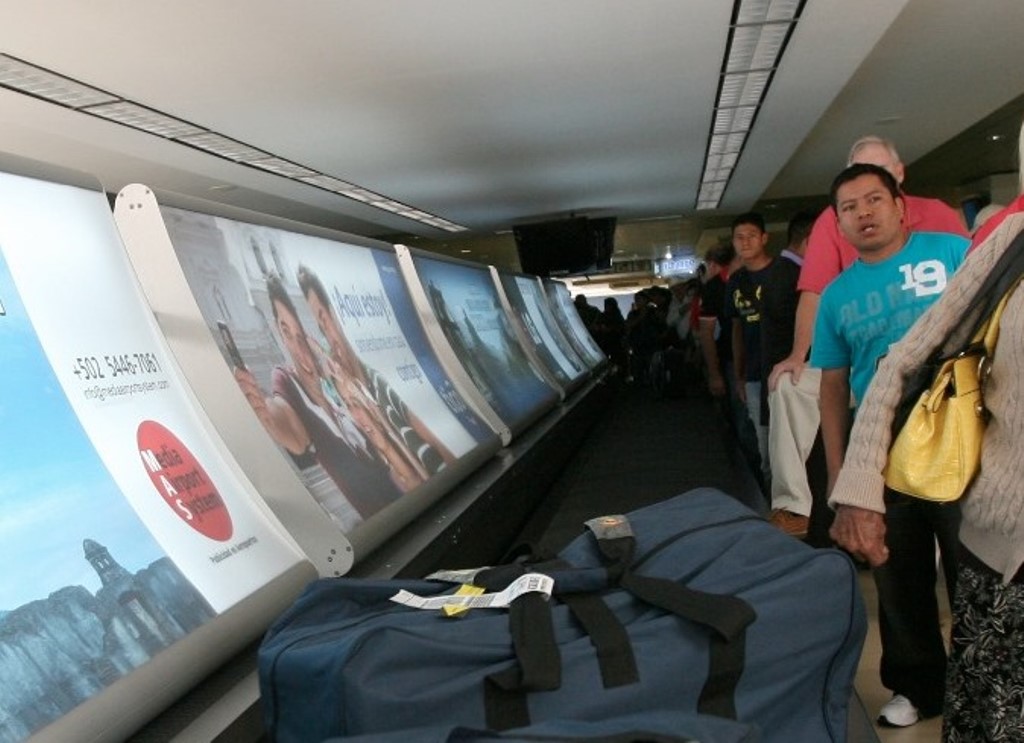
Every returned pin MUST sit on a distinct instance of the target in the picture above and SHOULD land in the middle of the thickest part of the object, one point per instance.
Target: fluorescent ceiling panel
(140, 117)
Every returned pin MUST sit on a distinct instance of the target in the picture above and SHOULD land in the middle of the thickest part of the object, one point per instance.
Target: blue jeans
(753, 390)
(913, 652)
(742, 426)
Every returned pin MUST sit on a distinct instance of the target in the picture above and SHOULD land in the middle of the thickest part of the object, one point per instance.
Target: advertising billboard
(322, 339)
(539, 330)
(570, 322)
(462, 300)
(126, 528)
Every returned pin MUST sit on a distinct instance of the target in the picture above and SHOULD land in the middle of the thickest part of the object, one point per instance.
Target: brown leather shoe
(791, 523)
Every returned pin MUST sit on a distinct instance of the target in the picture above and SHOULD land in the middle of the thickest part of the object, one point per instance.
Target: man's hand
(861, 532)
(716, 385)
(790, 365)
(253, 394)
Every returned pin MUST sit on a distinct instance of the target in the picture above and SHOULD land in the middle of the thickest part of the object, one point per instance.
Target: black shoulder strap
(1003, 275)
(1007, 269)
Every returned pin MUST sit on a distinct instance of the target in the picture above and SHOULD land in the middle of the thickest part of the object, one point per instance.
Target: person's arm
(823, 261)
(716, 382)
(835, 418)
(739, 360)
(277, 416)
(803, 335)
(860, 531)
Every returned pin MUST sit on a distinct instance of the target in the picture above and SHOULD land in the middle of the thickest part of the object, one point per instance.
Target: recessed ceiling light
(994, 137)
(886, 120)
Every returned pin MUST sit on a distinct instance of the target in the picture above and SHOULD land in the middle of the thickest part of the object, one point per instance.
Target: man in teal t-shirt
(873, 303)
(866, 309)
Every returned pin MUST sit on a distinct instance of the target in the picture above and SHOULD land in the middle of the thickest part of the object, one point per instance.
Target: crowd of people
(816, 341)
(655, 343)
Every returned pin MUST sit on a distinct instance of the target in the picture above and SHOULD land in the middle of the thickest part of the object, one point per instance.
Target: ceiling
(492, 113)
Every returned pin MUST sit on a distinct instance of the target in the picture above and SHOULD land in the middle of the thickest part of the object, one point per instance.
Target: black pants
(913, 651)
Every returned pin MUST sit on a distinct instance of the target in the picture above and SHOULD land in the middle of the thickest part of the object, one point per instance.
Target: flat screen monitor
(324, 342)
(602, 235)
(561, 246)
(566, 246)
(461, 299)
(137, 557)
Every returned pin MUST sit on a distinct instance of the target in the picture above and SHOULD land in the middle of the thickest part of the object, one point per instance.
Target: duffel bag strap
(727, 616)
(538, 666)
(470, 735)
(611, 642)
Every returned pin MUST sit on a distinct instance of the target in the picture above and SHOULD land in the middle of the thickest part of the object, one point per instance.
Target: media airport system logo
(182, 482)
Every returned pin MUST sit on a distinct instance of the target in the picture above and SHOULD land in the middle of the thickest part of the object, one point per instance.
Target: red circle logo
(182, 482)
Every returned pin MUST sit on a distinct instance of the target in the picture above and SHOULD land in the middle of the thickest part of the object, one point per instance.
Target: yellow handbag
(937, 452)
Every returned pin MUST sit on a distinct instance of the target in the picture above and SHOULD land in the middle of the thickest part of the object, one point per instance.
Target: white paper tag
(529, 583)
(466, 575)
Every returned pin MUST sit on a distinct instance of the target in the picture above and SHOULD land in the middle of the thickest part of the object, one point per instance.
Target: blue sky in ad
(54, 490)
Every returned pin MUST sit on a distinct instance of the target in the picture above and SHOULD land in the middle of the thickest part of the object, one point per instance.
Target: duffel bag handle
(539, 666)
(539, 662)
(727, 616)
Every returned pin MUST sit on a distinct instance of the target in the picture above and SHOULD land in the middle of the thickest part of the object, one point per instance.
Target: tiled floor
(870, 688)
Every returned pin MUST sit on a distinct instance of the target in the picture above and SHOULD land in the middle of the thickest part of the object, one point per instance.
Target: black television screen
(602, 235)
(565, 246)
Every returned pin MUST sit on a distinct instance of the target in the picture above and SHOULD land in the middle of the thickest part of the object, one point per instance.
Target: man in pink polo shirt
(793, 430)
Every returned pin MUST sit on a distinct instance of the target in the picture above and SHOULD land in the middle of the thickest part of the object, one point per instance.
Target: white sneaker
(898, 712)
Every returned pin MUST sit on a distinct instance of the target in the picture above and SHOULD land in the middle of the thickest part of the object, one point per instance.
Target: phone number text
(88, 368)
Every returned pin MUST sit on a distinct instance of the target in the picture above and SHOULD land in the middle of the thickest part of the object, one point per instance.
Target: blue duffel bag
(667, 726)
(695, 605)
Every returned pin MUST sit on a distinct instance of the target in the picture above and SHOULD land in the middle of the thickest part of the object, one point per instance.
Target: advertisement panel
(323, 339)
(125, 528)
(530, 308)
(463, 300)
(569, 319)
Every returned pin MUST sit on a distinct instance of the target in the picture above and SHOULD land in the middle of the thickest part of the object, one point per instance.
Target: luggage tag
(451, 610)
(529, 583)
(465, 578)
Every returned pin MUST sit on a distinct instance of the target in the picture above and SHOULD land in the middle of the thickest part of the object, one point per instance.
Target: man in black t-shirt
(715, 345)
(716, 348)
(743, 313)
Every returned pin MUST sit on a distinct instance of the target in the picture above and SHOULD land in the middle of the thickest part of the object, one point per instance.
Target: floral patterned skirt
(985, 674)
